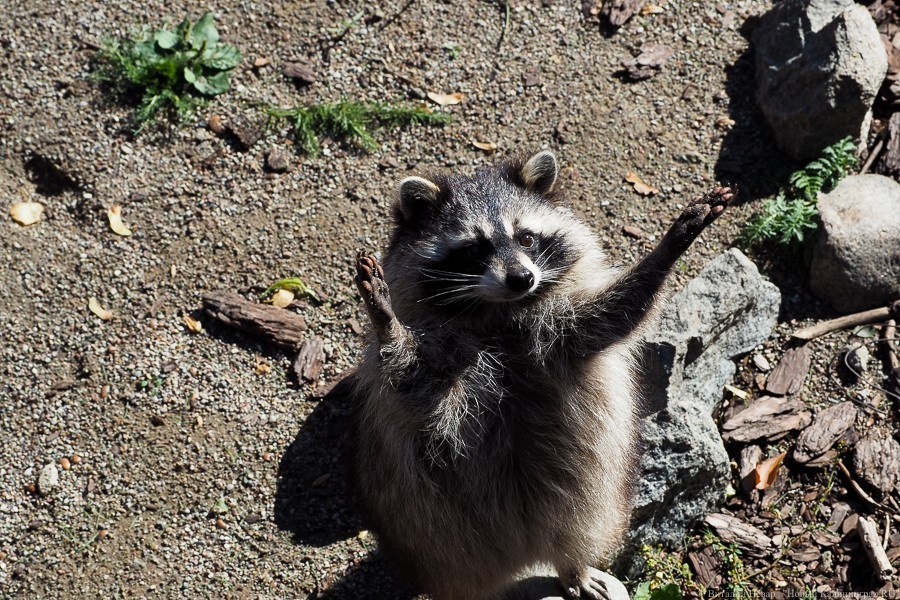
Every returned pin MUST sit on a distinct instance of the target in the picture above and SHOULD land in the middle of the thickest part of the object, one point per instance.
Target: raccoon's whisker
(453, 290)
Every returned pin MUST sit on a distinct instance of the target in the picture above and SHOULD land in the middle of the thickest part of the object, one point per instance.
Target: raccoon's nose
(521, 281)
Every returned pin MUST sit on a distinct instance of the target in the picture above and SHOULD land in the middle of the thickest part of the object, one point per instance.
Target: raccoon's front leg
(621, 308)
(397, 344)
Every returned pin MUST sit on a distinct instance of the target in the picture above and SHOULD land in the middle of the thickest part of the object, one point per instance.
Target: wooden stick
(854, 320)
(868, 536)
(872, 156)
(276, 325)
(858, 489)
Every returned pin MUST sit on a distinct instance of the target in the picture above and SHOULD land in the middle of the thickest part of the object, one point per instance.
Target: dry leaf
(98, 310)
(652, 9)
(767, 470)
(26, 213)
(737, 392)
(115, 221)
(724, 122)
(193, 325)
(489, 147)
(640, 187)
(262, 367)
(445, 99)
(282, 298)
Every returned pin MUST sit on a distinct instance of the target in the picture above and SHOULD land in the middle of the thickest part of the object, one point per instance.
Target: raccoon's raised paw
(374, 291)
(586, 585)
(697, 216)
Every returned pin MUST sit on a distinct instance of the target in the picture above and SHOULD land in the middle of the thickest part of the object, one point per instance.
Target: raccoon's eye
(473, 250)
(526, 240)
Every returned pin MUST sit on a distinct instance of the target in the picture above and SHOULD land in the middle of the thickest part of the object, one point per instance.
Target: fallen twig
(862, 318)
(873, 156)
(868, 536)
(858, 489)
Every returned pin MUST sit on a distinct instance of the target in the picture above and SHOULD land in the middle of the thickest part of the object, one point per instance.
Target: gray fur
(495, 429)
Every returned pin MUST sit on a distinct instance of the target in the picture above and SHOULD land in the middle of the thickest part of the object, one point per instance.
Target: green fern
(351, 120)
(792, 214)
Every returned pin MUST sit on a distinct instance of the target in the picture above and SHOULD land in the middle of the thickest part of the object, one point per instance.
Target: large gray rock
(856, 261)
(819, 64)
(726, 311)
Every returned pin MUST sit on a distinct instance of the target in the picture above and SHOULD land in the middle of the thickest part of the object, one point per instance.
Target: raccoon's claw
(374, 291)
(587, 586)
(697, 216)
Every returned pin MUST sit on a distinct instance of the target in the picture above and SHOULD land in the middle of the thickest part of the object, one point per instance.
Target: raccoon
(494, 423)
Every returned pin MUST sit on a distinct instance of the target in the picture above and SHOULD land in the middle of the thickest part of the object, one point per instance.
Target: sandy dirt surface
(202, 471)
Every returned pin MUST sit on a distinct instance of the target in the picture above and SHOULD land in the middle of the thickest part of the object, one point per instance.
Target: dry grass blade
(641, 187)
(445, 99)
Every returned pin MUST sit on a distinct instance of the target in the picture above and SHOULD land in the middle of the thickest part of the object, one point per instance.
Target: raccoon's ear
(415, 195)
(539, 173)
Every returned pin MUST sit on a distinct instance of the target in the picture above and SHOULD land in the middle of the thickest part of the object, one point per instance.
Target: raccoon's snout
(520, 281)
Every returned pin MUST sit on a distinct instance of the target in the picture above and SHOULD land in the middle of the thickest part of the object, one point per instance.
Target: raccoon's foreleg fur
(397, 344)
(621, 308)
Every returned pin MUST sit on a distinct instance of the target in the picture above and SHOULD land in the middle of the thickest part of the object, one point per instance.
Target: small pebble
(48, 479)
(65, 464)
(220, 523)
(76, 459)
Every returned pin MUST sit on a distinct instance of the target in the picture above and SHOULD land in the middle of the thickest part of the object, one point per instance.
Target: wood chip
(279, 326)
(828, 426)
(489, 147)
(788, 376)
(735, 531)
(871, 542)
(298, 71)
(114, 214)
(806, 554)
(262, 61)
(247, 133)
(889, 161)
(750, 457)
(308, 364)
(706, 564)
(876, 461)
(648, 63)
(839, 512)
(767, 418)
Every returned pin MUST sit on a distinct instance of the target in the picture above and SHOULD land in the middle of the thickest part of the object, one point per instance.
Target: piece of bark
(839, 512)
(308, 364)
(616, 13)
(789, 374)
(889, 351)
(329, 386)
(750, 457)
(828, 426)
(732, 530)
(299, 72)
(871, 542)
(889, 162)
(806, 554)
(648, 63)
(767, 418)
(274, 324)
(876, 461)
(863, 318)
(706, 563)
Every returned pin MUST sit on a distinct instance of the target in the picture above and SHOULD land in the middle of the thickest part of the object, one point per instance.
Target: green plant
(293, 284)
(669, 575)
(350, 119)
(171, 71)
(453, 48)
(788, 216)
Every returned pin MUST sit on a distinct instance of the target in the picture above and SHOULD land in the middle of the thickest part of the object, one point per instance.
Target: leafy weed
(172, 72)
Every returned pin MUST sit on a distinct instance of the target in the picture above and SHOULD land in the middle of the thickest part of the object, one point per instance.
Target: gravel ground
(201, 471)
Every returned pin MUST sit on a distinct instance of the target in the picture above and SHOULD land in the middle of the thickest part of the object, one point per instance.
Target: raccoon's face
(497, 237)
